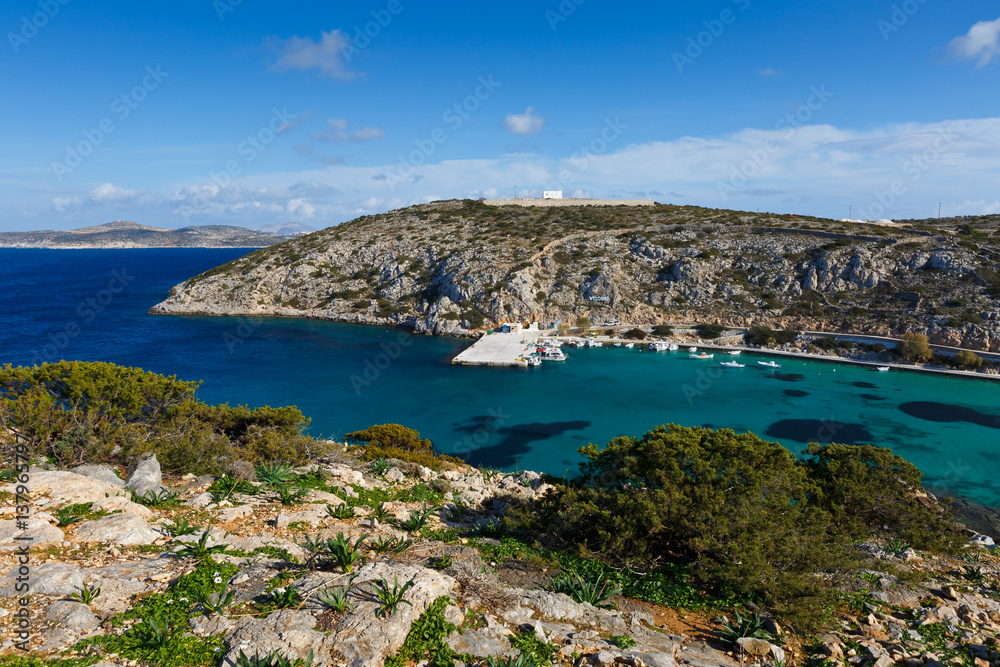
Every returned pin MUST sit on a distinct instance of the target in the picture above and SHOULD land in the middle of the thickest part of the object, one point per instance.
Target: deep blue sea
(91, 305)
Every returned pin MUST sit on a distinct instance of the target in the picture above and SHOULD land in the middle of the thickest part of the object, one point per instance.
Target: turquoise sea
(91, 305)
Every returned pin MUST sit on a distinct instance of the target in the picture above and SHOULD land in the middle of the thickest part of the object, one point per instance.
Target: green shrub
(635, 334)
(915, 347)
(746, 514)
(393, 441)
(710, 331)
(967, 359)
(663, 330)
(759, 335)
(76, 412)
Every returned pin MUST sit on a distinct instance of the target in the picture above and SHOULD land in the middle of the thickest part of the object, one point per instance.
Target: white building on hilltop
(552, 194)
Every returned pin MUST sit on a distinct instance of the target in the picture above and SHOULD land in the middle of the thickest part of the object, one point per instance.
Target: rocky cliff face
(457, 267)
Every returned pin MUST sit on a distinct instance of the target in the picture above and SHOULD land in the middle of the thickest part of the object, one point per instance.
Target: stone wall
(569, 202)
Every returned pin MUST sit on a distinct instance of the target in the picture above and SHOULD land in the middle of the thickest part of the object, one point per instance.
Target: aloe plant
(86, 594)
(390, 597)
(595, 589)
(274, 473)
(200, 549)
(749, 626)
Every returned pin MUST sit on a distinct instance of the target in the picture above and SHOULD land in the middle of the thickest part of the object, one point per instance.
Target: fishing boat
(594, 343)
(630, 345)
(732, 364)
(770, 364)
(659, 346)
(618, 344)
(692, 349)
(530, 361)
(734, 353)
(882, 369)
(673, 347)
(700, 356)
(553, 354)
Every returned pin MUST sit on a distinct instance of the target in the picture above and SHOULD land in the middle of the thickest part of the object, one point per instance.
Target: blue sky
(251, 113)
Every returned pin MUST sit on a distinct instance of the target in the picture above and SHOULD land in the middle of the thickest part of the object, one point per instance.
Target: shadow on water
(865, 385)
(814, 430)
(787, 377)
(944, 413)
(872, 397)
(795, 393)
(517, 441)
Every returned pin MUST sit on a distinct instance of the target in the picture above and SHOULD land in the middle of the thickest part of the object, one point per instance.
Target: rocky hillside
(202, 570)
(124, 234)
(460, 266)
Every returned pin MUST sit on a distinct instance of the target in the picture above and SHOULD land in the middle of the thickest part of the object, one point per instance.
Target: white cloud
(815, 169)
(305, 53)
(767, 71)
(336, 131)
(524, 124)
(981, 43)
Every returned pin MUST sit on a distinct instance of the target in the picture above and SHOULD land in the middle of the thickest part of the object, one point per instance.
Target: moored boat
(770, 364)
(882, 369)
(732, 364)
(700, 356)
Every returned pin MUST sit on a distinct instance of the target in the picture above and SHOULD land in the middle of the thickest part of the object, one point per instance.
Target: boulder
(113, 504)
(99, 472)
(65, 488)
(288, 631)
(39, 533)
(72, 616)
(144, 475)
(124, 530)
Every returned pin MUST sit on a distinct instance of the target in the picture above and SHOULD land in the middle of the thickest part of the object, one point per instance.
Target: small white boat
(700, 356)
(630, 345)
(732, 364)
(882, 369)
(734, 353)
(692, 349)
(659, 347)
(594, 343)
(673, 347)
(770, 364)
(553, 354)
(618, 344)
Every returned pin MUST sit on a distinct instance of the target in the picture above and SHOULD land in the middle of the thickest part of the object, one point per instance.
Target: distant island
(125, 234)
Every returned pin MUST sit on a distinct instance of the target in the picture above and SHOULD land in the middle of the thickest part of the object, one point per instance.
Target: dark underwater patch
(872, 397)
(795, 393)
(516, 441)
(949, 414)
(815, 430)
(787, 377)
(865, 385)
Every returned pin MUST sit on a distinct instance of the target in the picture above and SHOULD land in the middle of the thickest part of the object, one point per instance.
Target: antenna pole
(851, 212)
(939, 210)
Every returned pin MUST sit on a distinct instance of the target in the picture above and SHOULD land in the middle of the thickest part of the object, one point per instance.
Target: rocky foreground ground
(268, 590)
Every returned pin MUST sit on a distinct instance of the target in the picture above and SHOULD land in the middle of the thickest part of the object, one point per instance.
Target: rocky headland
(459, 267)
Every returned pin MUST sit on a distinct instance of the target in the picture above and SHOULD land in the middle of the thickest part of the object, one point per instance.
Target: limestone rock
(65, 488)
(124, 530)
(99, 472)
(144, 475)
(72, 615)
(365, 638)
(113, 504)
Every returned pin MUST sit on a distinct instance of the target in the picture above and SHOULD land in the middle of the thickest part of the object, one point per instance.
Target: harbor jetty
(509, 346)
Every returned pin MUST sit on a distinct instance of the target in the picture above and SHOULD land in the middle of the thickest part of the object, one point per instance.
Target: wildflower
(217, 580)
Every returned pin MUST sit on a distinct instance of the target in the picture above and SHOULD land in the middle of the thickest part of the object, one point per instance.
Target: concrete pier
(499, 349)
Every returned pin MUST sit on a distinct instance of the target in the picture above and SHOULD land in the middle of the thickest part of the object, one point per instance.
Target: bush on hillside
(759, 335)
(394, 441)
(77, 412)
(663, 330)
(635, 334)
(915, 347)
(710, 331)
(744, 513)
